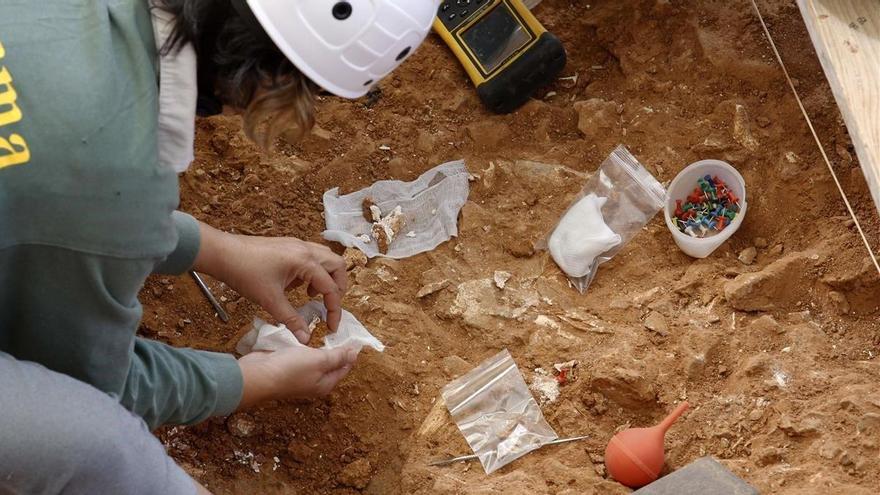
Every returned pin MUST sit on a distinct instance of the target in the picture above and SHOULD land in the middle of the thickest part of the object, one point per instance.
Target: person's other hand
(293, 373)
(263, 269)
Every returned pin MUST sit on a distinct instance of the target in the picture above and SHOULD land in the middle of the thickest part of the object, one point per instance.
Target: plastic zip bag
(496, 413)
(615, 203)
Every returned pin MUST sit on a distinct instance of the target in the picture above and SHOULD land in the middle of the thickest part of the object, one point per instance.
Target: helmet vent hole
(368, 82)
(403, 53)
(342, 10)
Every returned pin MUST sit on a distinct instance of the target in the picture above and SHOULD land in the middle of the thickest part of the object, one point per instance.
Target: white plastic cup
(683, 185)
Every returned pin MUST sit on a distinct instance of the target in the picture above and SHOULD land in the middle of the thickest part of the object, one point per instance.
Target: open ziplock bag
(496, 413)
(616, 202)
(430, 206)
(266, 337)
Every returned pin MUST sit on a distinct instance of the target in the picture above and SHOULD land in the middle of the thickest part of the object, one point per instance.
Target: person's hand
(293, 373)
(263, 269)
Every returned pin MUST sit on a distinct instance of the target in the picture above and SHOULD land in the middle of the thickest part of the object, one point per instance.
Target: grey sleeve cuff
(230, 383)
(168, 385)
(188, 243)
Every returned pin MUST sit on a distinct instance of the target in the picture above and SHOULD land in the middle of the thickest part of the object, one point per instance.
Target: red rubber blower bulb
(634, 457)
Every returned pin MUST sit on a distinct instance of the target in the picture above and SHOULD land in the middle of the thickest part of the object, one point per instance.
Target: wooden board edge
(870, 166)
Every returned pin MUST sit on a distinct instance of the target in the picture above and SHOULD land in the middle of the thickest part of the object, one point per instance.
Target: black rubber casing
(539, 65)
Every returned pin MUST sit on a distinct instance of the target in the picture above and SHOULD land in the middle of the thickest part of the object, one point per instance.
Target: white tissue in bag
(267, 337)
(581, 236)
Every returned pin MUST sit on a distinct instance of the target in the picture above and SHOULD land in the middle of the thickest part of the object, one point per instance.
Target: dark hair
(239, 64)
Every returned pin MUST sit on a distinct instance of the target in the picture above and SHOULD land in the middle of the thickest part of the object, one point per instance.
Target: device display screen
(495, 37)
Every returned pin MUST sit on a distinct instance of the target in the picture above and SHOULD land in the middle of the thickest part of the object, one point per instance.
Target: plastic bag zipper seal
(631, 166)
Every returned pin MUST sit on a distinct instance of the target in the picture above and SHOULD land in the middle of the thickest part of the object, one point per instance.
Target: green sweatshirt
(87, 212)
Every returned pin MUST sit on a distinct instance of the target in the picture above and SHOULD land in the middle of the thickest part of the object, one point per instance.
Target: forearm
(217, 250)
(256, 381)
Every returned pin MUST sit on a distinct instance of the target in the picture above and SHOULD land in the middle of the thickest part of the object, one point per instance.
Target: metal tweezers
(213, 300)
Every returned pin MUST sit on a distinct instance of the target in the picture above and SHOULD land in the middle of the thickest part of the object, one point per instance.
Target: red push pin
(635, 456)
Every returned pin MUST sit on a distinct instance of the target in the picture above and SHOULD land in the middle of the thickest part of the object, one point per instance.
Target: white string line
(816, 137)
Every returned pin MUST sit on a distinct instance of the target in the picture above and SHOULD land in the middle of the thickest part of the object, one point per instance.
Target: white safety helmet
(346, 46)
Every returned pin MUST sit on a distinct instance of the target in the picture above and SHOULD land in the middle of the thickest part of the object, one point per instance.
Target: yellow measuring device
(506, 52)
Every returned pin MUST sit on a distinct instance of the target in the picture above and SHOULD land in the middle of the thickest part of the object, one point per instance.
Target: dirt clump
(356, 474)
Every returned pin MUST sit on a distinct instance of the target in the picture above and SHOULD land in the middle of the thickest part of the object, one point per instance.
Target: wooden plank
(846, 34)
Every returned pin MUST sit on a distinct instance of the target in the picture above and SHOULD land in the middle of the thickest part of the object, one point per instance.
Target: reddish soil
(776, 357)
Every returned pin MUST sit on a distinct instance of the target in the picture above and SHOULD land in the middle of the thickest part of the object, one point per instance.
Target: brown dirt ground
(777, 358)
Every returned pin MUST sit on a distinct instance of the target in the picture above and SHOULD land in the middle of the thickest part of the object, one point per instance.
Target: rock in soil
(657, 323)
(547, 322)
(830, 450)
(480, 304)
(356, 474)
(768, 455)
(545, 386)
(501, 278)
(808, 426)
(742, 131)
(838, 302)
(487, 134)
(354, 258)
(299, 451)
(242, 425)
(454, 366)
(766, 325)
(779, 285)
(627, 387)
(596, 117)
(428, 289)
(747, 255)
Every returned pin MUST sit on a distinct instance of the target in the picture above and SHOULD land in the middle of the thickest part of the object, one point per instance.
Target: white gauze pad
(581, 236)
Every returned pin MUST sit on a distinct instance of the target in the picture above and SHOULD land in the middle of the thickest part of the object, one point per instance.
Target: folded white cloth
(267, 337)
(581, 236)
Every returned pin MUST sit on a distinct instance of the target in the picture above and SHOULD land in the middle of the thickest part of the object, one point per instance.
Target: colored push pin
(678, 211)
(635, 456)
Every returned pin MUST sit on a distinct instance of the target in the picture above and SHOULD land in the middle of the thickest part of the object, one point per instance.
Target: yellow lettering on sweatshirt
(9, 111)
(13, 149)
